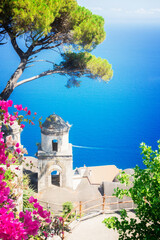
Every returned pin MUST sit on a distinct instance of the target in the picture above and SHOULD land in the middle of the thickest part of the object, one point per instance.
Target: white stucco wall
(69, 174)
(76, 182)
(46, 142)
(77, 178)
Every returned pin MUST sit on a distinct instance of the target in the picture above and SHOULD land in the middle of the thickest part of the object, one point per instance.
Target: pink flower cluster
(20, 108)
(28, 223)
(40, 211)
(10, 227)
(31, 226)
(7, 118)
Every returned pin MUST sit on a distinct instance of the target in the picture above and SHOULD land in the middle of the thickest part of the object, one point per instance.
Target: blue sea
(111, 119)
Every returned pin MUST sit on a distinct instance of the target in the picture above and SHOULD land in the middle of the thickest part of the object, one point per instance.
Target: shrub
(145, 194)
(67, 208)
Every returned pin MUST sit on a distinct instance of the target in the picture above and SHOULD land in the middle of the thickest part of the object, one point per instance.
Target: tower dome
(55, 135)
(54, 124)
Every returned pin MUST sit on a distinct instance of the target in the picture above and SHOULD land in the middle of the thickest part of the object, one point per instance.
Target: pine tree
(58, 25)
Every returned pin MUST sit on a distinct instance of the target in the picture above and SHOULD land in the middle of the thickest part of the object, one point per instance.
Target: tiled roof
(100, 174)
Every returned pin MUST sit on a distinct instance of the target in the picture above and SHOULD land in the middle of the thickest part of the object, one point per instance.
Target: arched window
(55, 145)
(55, 178)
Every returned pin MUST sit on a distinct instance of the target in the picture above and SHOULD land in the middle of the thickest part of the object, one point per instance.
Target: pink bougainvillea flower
(34, 212)
(18, 150)
(60, 219)
(10, 103)
(22, 126)
(18, 107)
(30, 225)
(29, 112)
(5, 104)
(12, 118)
(36, 205)
(17, 144)
(45, 234)
(32, 199)
(48, 220)
(25, 109)
(11, 228)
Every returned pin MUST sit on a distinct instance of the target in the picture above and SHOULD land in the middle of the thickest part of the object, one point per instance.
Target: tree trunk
(12, 83)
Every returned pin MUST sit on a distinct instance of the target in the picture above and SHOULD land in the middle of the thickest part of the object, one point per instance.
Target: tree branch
(15, 46)
(47, 73)
(55, 37)
(44, 48)
(42, 60)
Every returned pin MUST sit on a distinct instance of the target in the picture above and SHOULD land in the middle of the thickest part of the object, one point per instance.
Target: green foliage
(48, 16)
(86, 62)
(9, 176)
(100, 68)
(124, 178)
(67, 208)
(28, 191)
(145, 193)
(88, 29)
(30, 15)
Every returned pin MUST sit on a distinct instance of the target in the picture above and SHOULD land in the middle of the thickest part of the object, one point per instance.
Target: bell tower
(55, 164)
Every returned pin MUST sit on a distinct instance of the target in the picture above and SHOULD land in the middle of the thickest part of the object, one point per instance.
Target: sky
(125, 11)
